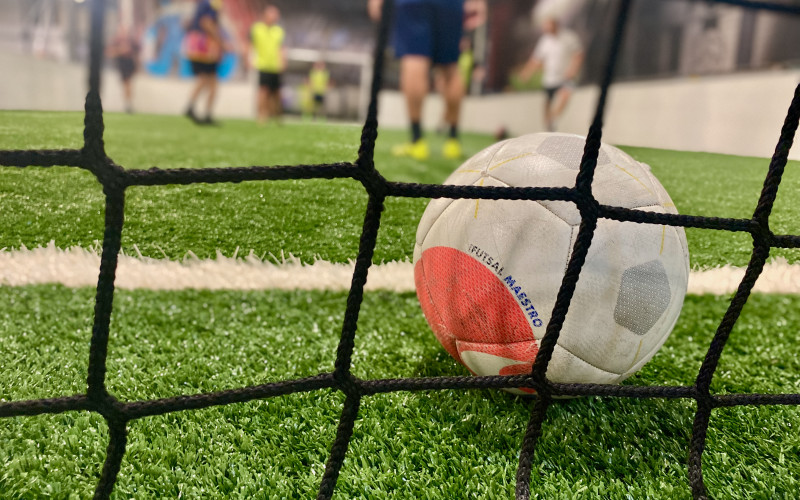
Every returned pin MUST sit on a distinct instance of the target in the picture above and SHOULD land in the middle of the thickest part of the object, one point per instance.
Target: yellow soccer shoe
(418, 150)
(452, 149)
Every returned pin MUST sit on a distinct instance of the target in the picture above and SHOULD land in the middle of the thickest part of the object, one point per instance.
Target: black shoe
(209, 121)
(190, 115)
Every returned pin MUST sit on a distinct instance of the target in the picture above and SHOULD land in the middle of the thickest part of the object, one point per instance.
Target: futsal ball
(487, 272)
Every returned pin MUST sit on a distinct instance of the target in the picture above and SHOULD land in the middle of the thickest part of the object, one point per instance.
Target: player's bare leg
(274, 105)
(263, 105)
(200, 85)
(453, 93)
(127, 90)
(414, 84)
(414, 72)
(559, 103)
(269, 103)
(210, 97)
(212, 93)
(439, 88)
(548, 115)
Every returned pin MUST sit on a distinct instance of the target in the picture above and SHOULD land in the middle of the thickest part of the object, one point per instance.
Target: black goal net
(115, 180)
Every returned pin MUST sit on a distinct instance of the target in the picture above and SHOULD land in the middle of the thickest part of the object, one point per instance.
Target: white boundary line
(78, 267)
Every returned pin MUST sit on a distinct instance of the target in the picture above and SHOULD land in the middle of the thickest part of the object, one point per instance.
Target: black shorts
(203, 68)
(272, 81)
(551, 92)
(429, 28)
(127, 67)
(319, 98)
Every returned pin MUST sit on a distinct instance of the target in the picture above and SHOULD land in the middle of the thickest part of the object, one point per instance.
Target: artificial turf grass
(714, 185)
(172, 221)
(436, 444)
(66, 205)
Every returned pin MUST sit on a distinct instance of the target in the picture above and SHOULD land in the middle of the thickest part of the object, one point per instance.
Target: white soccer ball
(487, 272)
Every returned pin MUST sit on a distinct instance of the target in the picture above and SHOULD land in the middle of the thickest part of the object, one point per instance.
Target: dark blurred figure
(559, 56)
(319, 80)
(204, 48)
(266, 39)
(124, 48)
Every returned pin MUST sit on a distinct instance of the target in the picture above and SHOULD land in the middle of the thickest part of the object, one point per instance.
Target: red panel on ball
(464, 300)
(522, 352)
(512, 359)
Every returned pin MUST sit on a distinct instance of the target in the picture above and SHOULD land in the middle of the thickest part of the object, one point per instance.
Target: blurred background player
(305, 100)
(559, 56)
(427, 34)
(319, 80)
(266, 38)
(204, 47)
(124, 49)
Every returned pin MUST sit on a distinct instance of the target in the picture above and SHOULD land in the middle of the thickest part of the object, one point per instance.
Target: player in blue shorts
(427, 34)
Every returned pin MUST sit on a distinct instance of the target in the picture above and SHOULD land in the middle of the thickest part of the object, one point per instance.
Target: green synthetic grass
(438, 444)
(66, 205)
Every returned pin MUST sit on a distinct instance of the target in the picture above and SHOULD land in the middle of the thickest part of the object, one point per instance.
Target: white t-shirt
(556, 52)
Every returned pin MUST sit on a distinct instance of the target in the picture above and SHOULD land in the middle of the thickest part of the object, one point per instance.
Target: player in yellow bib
(319, 80)
(266, 38)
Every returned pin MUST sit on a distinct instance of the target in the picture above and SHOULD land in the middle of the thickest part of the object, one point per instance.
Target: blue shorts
(430, 28)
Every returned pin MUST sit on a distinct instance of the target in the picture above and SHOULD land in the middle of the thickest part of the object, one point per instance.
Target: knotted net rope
(115, 180)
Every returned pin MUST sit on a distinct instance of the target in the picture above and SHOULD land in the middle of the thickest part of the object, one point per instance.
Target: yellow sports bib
(319, 80)
(267, 42)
